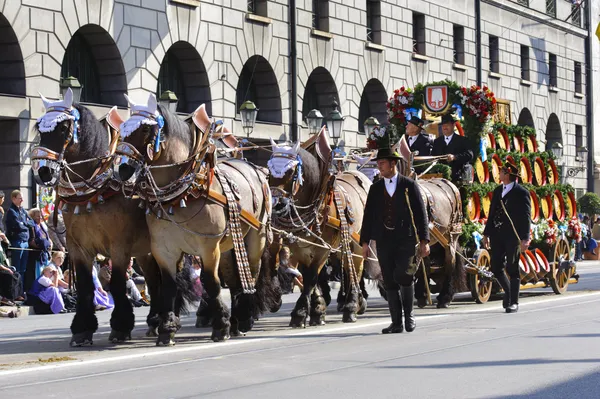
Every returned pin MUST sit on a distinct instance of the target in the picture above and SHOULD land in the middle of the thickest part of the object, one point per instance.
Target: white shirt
(448, 139)
(506, 188)
(390, 184)
(412, 139)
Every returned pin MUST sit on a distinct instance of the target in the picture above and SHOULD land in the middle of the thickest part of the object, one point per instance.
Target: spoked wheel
(560, 280)
(481, 289)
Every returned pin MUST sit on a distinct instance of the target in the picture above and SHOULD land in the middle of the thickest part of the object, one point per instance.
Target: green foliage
(466, 239)
(589, 204)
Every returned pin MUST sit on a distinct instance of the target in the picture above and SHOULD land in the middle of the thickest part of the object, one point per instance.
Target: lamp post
(314, 119)
(335, 123)
(581, 153)
(169, 100)
(370, 124)
(248, 113)
(71, 83)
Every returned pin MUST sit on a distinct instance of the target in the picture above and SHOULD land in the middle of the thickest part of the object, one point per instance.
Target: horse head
(285, 167)
(151, 136)
(68, 133)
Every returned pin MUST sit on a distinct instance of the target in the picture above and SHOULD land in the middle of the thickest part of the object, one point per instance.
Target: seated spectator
(45, 289)
(289, 275)
(102, 299)
(133, 292)
(591, 250)
(58, 258)
(105, 273)
(11, 283)
(39, 240)
(196, 274)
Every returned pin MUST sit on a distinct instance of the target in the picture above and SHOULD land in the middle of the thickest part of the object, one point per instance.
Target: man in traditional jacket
(416, 138)
(455, 146)
(508, 232)
(393, 210)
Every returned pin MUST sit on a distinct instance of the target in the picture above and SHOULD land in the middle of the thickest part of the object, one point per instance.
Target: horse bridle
(297, 176)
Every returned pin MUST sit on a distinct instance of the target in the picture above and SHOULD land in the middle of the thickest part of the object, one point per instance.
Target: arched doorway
(373, 102)
(258, 84)
(183, 72)
(12, 73)
(94, 59)
(525, 118)
(553, 132)
(319, 93)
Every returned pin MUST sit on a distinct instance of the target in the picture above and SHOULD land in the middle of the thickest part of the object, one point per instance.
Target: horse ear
(152, 105)
(131, 103)
(296, 147)
(68, 100)
(45, 101)
(273, 144)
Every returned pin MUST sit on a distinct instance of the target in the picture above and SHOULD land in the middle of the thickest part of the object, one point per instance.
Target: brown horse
(74, 155)
(307, 213)
(197, 207)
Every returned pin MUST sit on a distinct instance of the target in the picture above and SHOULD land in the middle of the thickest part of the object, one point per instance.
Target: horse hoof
(81, 339)
(118, 337)
(349, 317)
(298, 323)
(276, 307)
(246, 325)
(202, 321)
(219, 336)
(152, 332)
(340, 307)
(165, 339)
(237, 333)
(444, 305)
(317, 322)
(363, 306)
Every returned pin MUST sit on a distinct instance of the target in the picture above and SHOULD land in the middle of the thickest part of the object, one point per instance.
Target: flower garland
(574, 230)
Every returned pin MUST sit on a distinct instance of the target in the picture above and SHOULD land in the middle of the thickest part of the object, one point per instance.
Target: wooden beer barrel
(559, 205)
(524, 270)
(491, 141)
(552, 172)
(531, 144)
(525, 170)
(534, 266)
(473, 207)
(496, 165)
(503, 142)
(535, 206)
(571, 205)
(518, 144)
(486, 202)
(543, 262)
(482, 173)
(539, 172)
(546, 207)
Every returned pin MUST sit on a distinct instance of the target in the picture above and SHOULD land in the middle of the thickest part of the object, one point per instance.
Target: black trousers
(396, 261)
(11, 285)
(505, 249)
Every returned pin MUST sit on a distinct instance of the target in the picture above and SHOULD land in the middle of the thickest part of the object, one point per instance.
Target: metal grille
(576, 14)
(551, 8)
(316, 14)
(523, 2)
(252, 6)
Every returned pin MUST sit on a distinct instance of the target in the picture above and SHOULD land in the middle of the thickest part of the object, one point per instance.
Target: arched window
(258, 84)
(373, 103)
(171, 78)
(320, 92)
(79, 62)
(12, 73)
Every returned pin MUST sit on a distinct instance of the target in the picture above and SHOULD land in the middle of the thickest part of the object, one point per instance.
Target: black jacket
(423, 144)
(518, 205)
(459, 147)
(18, 224)
(373, 228)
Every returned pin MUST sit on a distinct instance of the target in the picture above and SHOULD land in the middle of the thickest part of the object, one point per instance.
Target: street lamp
(71, 83)
(370, 124)
(335, 122)
(315, 121)
(169, 100)
(557, 150)
(581, 153)
(248, 113)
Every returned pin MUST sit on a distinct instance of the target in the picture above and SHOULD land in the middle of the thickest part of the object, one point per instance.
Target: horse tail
(459, 273)
(268, 290)
(186, 290)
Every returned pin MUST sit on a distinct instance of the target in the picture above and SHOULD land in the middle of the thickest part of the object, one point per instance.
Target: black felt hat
(387, 153)
(418, 122)
(511, 168)
(448, 118)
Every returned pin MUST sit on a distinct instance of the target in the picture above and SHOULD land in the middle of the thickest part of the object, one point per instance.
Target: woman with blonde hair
(46, 290)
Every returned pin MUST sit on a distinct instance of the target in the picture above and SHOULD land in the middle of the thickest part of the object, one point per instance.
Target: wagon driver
(388, 221)
(508, 233)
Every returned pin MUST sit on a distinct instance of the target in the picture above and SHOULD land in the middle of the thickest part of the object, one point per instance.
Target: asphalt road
(550, 349)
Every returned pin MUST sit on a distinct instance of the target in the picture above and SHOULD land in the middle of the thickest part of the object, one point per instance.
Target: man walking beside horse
(396, 218)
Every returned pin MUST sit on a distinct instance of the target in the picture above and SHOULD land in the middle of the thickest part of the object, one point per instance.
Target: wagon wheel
(560, 280)
(481, 290)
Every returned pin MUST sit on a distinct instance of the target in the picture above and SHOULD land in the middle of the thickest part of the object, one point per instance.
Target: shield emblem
(436, 99)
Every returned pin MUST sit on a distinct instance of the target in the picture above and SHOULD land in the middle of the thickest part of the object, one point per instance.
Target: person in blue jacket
(18, 227)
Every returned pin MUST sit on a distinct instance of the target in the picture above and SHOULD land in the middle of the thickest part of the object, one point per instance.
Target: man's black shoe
(393, 329)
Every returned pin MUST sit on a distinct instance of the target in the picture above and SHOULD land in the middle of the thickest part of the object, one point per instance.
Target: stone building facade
(223, 52)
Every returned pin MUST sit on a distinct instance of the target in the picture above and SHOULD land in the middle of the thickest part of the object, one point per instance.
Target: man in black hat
(417, 141)
(508, 228)
(388, 221)
(454, 145)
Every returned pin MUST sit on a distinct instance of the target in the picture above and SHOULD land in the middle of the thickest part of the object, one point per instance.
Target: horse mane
(93, 136)
(175, 127)
(312, 177)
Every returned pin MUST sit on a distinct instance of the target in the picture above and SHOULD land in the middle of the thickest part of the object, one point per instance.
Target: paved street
(548, 350)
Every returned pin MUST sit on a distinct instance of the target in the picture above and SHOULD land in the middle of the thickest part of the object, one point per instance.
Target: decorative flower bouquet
(574, 230)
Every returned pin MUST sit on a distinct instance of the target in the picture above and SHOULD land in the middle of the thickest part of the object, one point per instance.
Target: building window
(79, 62)
(553, 70)
(170, 77)
(578, 136)
(576, 14)
(374, 21)
(494, 44)
(578, 78)
(551, 8)
(418, 33)
(458, 33)
(321, 15)
(523, 2)
(258, 7)
(525, 63)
